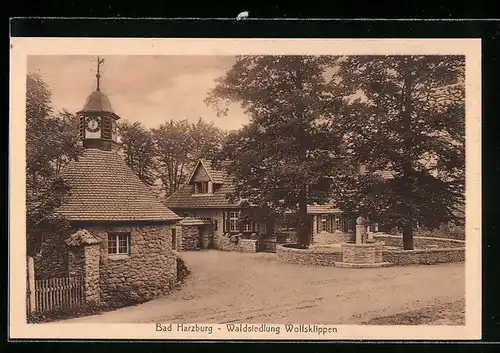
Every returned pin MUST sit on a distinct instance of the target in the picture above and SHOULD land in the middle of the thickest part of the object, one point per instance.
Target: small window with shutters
(225, 221)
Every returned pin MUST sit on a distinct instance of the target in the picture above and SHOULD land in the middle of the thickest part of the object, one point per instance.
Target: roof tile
(103, 187)
(184, 197)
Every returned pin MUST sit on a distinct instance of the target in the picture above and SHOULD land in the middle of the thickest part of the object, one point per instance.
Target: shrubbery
(182, 270)
(67, 313)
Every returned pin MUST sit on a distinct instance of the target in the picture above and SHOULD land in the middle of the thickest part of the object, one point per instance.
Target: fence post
(31, 284)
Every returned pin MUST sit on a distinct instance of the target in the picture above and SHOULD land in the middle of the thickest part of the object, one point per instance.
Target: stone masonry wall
(424, 257)
(379, 252)
(312, 257)
(92, 273)
(150, 270)
(358, 253)
(188, 238)
(83, 262)
(248, 245)
(178, 236)
(224, 243)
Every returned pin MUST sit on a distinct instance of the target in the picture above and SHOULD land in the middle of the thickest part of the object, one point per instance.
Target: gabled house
(210, 219)
(328, 219)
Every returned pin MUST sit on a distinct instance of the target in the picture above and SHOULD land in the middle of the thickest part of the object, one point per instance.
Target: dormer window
(203, 187)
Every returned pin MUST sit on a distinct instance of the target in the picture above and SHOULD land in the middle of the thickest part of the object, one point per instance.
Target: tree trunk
(304, 236)
(408, 236)
(270, 227)
(407, 162)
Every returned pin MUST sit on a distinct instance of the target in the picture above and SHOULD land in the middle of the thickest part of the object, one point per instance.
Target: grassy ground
(450, 313)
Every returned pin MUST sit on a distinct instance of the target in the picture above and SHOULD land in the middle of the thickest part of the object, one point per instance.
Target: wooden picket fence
(55, 293)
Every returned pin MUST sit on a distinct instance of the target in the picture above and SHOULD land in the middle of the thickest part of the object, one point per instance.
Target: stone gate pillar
(83, 260)
(91, 273)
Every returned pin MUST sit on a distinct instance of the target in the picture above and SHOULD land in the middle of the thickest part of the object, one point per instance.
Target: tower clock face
(93, 124)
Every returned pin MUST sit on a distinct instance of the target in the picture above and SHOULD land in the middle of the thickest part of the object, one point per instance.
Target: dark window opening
(174, 238)
(119, 243)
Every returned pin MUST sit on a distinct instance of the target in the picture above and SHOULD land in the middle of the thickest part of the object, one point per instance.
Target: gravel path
(254, 288)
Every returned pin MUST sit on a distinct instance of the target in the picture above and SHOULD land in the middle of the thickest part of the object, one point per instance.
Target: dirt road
(254, 288)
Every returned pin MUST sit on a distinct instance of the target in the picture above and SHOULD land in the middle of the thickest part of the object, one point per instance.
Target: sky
(148, 89)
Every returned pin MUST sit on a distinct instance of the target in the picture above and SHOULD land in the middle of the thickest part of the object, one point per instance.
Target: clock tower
(97, 120)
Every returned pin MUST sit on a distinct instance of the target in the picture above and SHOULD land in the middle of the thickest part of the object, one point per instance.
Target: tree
(409, 121)
(173, 142)
(286, 157)
(137, 145)
(179, 145)
(51, 142)
(206, 140)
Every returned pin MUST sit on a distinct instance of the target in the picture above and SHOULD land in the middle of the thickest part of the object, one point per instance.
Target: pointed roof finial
(98, 75)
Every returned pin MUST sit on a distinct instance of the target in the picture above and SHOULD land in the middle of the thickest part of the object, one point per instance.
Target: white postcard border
(22, 47)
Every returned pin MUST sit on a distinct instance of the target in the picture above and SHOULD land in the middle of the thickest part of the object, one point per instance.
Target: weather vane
(98, 75)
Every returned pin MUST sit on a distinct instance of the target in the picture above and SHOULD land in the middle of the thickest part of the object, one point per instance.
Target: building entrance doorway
(206, 237)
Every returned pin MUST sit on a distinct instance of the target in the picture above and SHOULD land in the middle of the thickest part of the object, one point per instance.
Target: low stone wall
(397, 241)
(315, 256)
(248, 245)
(362, 253)
(424, 257)
(320, 256)
(224, 243)
(448, 250)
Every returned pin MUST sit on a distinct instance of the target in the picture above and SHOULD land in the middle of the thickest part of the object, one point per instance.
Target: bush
(67, 313)
(182, 270)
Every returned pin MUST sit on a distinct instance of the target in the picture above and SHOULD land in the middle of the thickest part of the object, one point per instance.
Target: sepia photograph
(246, 192)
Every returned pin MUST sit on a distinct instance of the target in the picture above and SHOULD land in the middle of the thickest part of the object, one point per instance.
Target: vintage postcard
(244, 189)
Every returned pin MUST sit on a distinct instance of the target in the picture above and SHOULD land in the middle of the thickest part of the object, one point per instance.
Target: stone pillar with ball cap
(361, 233)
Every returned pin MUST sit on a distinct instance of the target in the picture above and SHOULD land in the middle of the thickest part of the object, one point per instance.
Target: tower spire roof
(98, 74)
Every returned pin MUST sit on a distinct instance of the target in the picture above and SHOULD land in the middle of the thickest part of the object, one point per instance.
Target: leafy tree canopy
(408, 119)
(286, 157)
(51, 142)
(138, 148)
